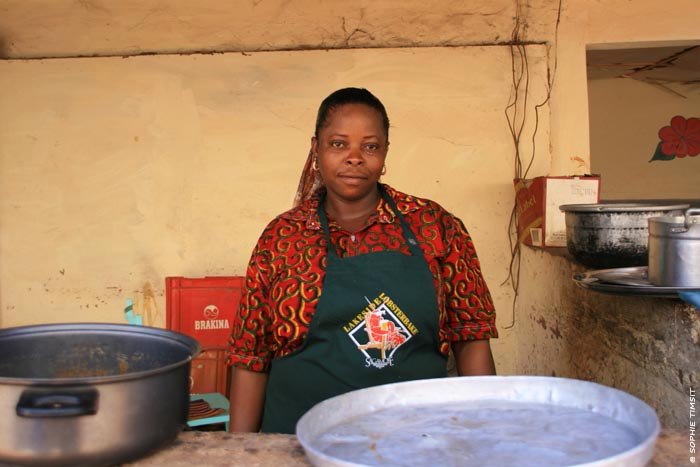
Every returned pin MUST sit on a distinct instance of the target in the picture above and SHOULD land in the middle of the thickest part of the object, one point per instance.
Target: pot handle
(689, 212)
(59, 402)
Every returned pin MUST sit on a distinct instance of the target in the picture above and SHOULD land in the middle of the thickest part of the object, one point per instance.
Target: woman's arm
(473, 358)
(470, 315)
(247, 396)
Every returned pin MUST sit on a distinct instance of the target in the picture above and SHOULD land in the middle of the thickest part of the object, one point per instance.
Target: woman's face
(351, 149)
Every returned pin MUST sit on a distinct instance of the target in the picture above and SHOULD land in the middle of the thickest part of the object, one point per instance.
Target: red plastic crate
(209, 373)
(203, 308)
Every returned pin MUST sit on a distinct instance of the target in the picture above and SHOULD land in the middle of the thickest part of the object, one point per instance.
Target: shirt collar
(308, 210)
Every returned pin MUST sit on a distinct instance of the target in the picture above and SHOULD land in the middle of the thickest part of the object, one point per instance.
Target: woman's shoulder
(294, 221)
(407, 203)
(425, 211)
(305, 212)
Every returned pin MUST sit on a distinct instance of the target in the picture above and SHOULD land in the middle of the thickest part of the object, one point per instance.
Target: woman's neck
(351, 215)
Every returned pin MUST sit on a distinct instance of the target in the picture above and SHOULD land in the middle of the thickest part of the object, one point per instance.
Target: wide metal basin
(481, 421)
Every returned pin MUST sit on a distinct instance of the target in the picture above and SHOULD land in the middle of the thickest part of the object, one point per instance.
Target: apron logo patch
(379, 330)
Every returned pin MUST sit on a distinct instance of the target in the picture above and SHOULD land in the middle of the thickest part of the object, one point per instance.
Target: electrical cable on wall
(521, 79)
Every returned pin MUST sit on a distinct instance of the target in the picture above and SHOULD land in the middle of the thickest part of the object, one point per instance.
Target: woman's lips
(352, 179)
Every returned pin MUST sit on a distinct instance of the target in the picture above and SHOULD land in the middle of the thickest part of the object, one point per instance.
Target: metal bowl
(612, 235)
(484, 421)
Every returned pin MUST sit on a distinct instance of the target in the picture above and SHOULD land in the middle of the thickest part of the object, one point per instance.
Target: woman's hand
(247, 396)
(473, 358)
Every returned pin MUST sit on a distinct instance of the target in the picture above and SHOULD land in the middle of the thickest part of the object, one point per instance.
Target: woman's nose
(354, 156)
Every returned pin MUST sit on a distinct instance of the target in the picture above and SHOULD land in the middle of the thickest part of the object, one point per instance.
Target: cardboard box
(540, 222)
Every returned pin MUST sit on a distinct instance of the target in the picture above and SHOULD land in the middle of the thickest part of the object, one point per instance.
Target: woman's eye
(337, 144)
(371, 147)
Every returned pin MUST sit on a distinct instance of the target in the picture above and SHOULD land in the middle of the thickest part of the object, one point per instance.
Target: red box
(540, 221)
(209, 373)
(203, 308)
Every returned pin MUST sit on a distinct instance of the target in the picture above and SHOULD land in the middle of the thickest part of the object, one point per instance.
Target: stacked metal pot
(666, 237)
(674, 250)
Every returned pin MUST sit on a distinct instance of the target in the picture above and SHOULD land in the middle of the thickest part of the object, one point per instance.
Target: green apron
(376, 322)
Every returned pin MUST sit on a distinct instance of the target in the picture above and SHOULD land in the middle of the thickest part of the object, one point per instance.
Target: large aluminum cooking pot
(91, 394)
(612, 235)
(481, 421)
(674, 250)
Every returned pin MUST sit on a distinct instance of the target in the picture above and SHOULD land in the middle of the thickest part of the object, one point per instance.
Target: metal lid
(622, 207)
(676, 224)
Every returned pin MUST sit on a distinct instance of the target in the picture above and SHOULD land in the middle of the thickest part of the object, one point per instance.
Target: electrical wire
(519, 56)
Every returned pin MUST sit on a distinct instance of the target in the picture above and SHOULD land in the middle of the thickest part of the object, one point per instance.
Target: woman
(358, 285)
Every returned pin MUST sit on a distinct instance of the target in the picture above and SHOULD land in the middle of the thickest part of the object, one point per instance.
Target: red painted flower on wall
(679, 139)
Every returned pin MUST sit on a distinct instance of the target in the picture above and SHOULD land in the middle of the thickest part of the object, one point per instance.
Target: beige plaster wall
(645, 346)
(166, 97)
(602, 24)
(65, 28)
(625, 118)
(643, 22)
(116, 173)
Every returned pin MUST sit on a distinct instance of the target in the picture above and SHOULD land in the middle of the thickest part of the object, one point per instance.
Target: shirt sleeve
(249, 345)
(468, 304)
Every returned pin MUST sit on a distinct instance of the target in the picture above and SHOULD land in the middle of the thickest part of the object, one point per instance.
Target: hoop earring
(384, 169)
(314, 164)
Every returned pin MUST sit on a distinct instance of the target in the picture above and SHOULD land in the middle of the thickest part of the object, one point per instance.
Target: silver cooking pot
(91, 394)
(674, 250)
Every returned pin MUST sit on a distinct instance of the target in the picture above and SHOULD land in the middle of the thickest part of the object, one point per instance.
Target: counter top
(218, 448)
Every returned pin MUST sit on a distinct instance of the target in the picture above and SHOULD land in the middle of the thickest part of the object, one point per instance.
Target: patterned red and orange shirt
(284, 279)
